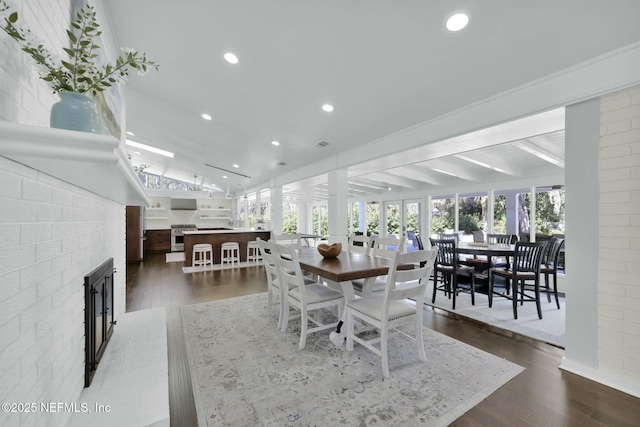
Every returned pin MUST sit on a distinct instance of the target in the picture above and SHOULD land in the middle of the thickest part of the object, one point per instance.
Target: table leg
(339, 336)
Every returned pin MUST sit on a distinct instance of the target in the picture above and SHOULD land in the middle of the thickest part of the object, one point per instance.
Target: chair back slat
(446, 251)
(528, 256)
(553, 252)
(500, 239)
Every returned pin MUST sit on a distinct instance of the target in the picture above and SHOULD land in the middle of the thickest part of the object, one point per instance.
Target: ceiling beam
(539, 152)
(487, 161)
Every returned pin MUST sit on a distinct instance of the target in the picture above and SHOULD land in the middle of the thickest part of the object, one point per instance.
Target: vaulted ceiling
(385, 66)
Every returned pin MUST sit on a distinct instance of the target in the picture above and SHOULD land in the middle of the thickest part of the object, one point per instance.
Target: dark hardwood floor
(542, 395)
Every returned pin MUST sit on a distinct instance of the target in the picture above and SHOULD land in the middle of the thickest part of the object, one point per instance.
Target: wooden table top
(346, 267)
(491, 250)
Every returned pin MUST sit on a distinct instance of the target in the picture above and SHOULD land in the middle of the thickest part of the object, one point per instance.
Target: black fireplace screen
(98, 316)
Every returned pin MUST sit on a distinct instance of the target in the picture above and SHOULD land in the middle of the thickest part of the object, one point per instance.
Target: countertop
(229, 231)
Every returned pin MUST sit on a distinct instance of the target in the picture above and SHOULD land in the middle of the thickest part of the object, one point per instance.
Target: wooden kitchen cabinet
(158, 240)
(134, 234)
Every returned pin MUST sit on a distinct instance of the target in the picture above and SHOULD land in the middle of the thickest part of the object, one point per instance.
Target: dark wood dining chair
(522, 277)
(550, 268)
(448, 271)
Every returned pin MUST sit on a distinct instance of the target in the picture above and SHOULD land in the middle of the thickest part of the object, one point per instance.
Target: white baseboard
(601, 377)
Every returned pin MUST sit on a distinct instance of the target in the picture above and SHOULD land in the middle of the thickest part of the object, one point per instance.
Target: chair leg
(546, 286)
(435, 286)
(514, 297)
(348, 327)
(419, 338)
(285, 315)
(454, 287)
(384, 353)
(473, 289)
(303, 327)
(490, 292)
(537, 296)
(555, 289)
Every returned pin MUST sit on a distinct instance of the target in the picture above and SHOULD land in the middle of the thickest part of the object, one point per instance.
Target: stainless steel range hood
(184, 204)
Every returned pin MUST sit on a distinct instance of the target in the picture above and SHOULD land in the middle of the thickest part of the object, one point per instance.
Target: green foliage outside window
(289, 218)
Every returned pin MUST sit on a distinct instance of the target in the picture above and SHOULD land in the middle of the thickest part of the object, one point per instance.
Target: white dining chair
(273, 281)
(304, 298)
(359, 243)
(382, 247)
(388, 311)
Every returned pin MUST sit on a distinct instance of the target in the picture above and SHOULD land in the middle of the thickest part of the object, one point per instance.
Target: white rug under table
(246, 373)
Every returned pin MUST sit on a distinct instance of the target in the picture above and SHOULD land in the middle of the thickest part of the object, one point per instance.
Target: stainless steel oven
(177, 236)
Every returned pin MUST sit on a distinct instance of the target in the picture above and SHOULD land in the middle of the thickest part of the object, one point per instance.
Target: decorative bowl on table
(330, 251)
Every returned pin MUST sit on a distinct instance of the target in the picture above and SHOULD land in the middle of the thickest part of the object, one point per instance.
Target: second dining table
(347, 266)
(491, 251)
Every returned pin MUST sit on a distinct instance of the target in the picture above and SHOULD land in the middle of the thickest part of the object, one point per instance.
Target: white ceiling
(385, 65)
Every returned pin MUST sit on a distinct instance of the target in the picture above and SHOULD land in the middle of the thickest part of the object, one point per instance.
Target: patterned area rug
(246, 373)
(549, 329)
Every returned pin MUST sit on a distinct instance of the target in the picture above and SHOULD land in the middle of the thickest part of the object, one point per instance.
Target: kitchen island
(216, 237)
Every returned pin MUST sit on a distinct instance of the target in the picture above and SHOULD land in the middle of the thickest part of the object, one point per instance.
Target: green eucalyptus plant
(79, 73)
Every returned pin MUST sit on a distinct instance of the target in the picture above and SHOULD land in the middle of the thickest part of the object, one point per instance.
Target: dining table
(491, 251)
(340, 271)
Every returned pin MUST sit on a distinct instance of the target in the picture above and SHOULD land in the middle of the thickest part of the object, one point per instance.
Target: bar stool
(202, 254)
(253, 251)
(230, 252)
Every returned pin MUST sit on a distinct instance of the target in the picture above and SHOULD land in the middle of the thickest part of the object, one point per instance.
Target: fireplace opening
(98, 316)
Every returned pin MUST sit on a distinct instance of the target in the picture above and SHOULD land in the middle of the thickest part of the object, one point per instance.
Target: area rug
(549, 329)
(226, 266)
(175, 257)
(246, 373)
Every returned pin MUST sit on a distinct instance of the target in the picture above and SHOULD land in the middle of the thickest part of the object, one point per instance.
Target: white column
(456, 210)
(304, 217)
(511, 199)
(337, 206)
(490, 212)
(429, 216)
(532, 215)
(276, 210)
(582, 139)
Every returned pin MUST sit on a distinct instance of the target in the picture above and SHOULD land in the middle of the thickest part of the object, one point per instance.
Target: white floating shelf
(225, 218)
(216, 209)
(156, 209)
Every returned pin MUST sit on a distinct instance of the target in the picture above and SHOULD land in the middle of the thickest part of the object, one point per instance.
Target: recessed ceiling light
(206, 116)
(457, 21)
(130, 133)
(230, 58)
(276, 143)
(136, 152)
(327, 107)
(235, 166)
(149, 148)
(225, 176)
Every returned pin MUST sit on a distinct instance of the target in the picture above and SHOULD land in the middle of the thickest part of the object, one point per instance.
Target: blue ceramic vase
(75, 111)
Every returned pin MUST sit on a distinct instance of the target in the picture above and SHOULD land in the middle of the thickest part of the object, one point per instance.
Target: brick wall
(619, 254)
(53, 234)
